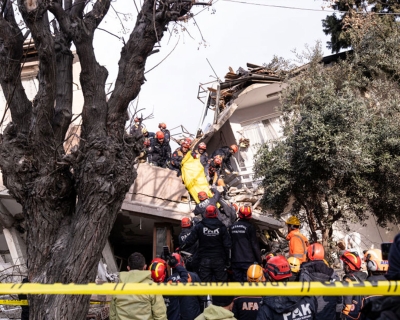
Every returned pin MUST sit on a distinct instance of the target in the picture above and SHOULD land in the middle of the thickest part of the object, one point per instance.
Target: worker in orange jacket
(298, 243)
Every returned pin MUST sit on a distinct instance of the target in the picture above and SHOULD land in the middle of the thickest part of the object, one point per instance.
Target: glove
(151, 163)
(172, 262)
(235, 172)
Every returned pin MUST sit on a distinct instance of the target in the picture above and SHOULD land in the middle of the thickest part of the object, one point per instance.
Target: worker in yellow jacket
(298, 243)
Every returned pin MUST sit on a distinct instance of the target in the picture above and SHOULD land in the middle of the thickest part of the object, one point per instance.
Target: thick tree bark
(70, 201)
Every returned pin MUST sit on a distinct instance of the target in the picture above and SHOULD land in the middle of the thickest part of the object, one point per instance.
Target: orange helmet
(188, 140)
(146, 142)
(245, 212)
(217, 160)
(255, 273)
(158, 270)
(162, 125)
(351, 259)
(202, 195)
(136, 119)
(211, 211)
(316, 252)
(185, 222)
(278, 268)
(202, 146)
(234, 147)
(159, 135)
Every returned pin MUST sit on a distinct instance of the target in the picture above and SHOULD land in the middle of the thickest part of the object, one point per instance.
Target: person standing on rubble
(214, 247)
(177, 157)
(187, 228)
(245, 246)
(215, 176)
(201, 153)
(226, 153)
(137, 307)
(159, 151)
(136, 127)
(163, 127)
(298, 243)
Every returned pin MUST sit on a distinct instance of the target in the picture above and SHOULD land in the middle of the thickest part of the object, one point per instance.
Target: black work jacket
(245, 246)
(158, 152)
(287, 308)
(213, 237)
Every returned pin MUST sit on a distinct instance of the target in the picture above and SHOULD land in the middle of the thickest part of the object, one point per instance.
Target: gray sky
(236, 33)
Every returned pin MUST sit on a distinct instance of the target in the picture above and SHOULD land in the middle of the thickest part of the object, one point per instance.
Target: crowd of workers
(215, 253)
(158, 153)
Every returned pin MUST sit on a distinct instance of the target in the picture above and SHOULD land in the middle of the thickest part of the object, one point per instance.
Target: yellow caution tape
(222, 288)
(25, 302)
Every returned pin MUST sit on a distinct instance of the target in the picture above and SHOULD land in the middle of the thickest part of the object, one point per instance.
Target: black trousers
(211, 270)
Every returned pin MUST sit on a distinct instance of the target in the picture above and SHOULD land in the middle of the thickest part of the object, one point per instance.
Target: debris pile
(236, 82)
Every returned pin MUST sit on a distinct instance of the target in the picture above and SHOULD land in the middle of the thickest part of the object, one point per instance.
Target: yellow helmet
(373, 258)
(294, 221)
(144, 130)
(255, 273)
(294, 264)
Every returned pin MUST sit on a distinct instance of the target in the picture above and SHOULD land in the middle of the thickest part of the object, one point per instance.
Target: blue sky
(234, 33)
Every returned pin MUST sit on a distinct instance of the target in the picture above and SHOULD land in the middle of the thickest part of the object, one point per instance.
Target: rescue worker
(147, 134)
(376, 266)
(205, 201)
(245, 246)
(190, 306)
(214, 246)
(187, 227)
(220, 309)
(214, 174)
(298, 243)
(136, 127)
(285, 307)
(226, 153)
(294, 264)
(137, 307)
(159, 151)
(177, 157)
(246, 308)
(163, 128)
(158, 269)
(352, 268)
(315, 269)
(202, 154)
(145, 154)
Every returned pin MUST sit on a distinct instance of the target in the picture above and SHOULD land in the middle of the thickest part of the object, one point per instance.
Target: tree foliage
(337, 159)
(335, 25)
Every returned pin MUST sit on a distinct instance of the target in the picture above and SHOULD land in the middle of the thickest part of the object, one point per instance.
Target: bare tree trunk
(70, 202)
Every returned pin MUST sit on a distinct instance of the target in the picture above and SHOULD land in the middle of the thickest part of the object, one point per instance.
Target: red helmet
(159, 135)
(158, 260)
(352, 259)
(316, 252)
(278, 268)
(245, 212)
(162, 125)
(188, 140)
(185, 222)
(146, 142)
(211, 211)
(202, 195)
(158, 271)
(202, 146)
(136, 119)
(185, 144)
(234, 147)
(217, 160)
